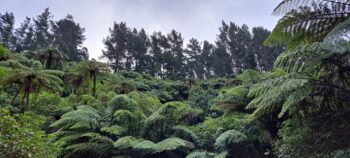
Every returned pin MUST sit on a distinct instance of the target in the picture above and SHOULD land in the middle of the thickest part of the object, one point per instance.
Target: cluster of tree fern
(54, 107)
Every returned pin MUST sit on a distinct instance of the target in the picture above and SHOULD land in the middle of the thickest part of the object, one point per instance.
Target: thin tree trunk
(14, 98)
(49, 60)
(27, 101)
(94, 84)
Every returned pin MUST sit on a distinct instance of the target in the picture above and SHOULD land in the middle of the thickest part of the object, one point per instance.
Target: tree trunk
(27, 101)
(14, 98)
(94, 84)
(49, 60)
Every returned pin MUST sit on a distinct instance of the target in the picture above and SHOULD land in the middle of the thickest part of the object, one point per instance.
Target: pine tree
(206, 53)
(159, 45)
(116, 45)
(69, 37)
(24, 36)
(139, 50)
(7, 37)
(195, 65)
(265, 55)
(42, 34)
(175, 65)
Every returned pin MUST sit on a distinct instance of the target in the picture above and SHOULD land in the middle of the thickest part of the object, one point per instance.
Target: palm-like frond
(82, 117)
(51, 58)
(31, 77)
(230, 139)
(172, 144)
(114, 130)
(185, 134)
(233, 99)
(307, 21)
(287, 6)
(87, 71)
(271, 95)
(200, 154)
(315, 72)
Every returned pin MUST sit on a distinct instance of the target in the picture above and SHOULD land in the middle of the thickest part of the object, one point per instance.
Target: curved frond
(307, 21)
(230, 138)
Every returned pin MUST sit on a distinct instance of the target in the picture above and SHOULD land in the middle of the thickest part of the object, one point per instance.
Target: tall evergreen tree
(24, 36)
(116, 45)
(195, 65)
(221, 61)
(175, 65)
(69, 37)
(222, 64)
(239, 47)
(7, 22)
(265, 55)
(159, 45)
(205, 58)
(42, 35)
(244, 47)
(139, 50)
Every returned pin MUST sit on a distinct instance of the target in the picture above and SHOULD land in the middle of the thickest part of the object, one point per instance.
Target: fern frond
(230, 138)
(172, 144)
(114, 130)
(307, 21)
(200, 154)
(185, 134)
(145, 148)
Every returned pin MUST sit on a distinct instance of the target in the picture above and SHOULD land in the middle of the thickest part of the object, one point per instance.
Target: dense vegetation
(163, 100)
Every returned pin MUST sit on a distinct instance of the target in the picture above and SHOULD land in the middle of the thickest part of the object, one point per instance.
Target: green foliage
(230, 139)
(32, 78)
(249, 76)
(309, 138)
(233, 99)
(20, 136)
(45, 103)
(51, 58)
(279, 94)
(186, 134)
(122, 102)
(200, 97)
(307, 21)
(126, 143)
(85, 72)
(114, 130)
(200, 154)
(172, 144)
(147, 103)
(145, 148)
(4, 53)
(299, 109)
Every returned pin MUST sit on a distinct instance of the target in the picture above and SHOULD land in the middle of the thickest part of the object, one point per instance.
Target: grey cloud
(193, 18)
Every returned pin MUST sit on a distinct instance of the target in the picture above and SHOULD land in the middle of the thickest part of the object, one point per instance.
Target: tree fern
(145, 148)
(271, 95)
(315, 72)
(85, 72)
(233, 99)
(200, 154)
(32, 78)
(307, 21)
(229, 139)
(172, 144)
(114, 130)
(185, 134)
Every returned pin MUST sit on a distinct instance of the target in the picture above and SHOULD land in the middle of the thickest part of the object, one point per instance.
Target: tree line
(41, 32)
(162, 55)
(165, 55)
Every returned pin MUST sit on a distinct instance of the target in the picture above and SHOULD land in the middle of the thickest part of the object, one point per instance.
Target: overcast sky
(193, 18)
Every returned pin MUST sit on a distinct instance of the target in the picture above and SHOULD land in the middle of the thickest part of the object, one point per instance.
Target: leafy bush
(20, 136)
